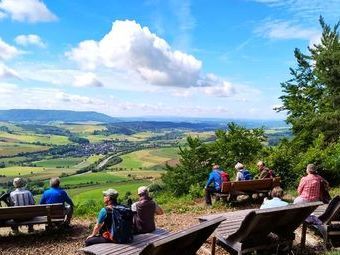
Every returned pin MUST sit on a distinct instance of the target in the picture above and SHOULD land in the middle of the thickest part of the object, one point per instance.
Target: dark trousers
(95, 240)
(208, 192)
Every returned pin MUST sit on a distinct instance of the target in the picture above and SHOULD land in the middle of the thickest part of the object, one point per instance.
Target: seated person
(144, 212)
(21, 197)
(104, 222)
(276, 201)
(242, 173)
(310, 186)
(213, 184)
(265, 172)
(55, 195)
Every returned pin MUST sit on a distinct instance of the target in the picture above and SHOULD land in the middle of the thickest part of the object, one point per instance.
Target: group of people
(215, 180)
(21, 197)
(143, 211)
(312, 187)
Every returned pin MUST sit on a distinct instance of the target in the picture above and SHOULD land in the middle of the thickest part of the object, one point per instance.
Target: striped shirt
(21, 197)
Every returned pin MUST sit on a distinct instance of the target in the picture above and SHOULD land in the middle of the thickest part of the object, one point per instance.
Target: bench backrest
(250, 185)
(280, 220)
(332, 212)
(185, 242)
(54, 211)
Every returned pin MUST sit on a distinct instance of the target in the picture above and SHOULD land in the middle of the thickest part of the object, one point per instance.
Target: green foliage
(231, 145)
(312, 100)
(195, 191)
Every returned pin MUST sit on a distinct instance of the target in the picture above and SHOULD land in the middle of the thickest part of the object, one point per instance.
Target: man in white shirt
(21, 197)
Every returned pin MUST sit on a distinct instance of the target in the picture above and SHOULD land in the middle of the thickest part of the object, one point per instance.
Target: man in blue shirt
(55, 195)
(213, 184)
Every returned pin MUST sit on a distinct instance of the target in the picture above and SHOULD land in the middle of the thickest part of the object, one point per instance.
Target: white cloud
(6, 72)
(2, 15)
(87, 80)
(7, 89)
(278, 29)
(27, 10)
(31, 39)
(225, 90)
(7, 51)
(128, 46)
(74, 98)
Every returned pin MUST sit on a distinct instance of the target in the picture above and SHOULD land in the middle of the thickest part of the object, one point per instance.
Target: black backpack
(122, 224)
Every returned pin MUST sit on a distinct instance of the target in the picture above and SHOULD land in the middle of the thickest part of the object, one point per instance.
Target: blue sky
(155, 57)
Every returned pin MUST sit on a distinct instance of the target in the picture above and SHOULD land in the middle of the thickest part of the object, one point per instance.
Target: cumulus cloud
(128, 46)
(7, 89)
(31, 39)
(87, 80)
(73, 98)
(26, 10)
(7, 51)
(6, 72)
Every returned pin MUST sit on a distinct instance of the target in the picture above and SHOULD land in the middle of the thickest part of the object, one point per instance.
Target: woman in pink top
(310, 186)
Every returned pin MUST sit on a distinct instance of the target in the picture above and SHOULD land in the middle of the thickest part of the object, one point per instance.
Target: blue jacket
(215, 179)
(54, 196)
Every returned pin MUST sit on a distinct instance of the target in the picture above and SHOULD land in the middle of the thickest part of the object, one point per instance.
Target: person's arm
(159, 210)
(68, 199)
(100, 222)
(43, 199)
(238, 176)
(210, 180)
(301, 185)
(31, 199)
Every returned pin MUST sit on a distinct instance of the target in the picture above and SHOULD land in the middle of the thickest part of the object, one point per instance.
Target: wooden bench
(262, 229)
(230, 190)
(160, 242)
(330, 224)
(34, 214)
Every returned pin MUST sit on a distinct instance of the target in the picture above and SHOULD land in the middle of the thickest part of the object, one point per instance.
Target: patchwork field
(11, 149)
(147, 159)
(34, 138)
(60, 162)
(82, 128)
(20, 170)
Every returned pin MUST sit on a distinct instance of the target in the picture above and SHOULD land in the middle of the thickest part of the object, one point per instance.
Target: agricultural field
(82, 128)
(92, 178)
(34, 138)
(148, 158)
(59, 162)
(11, 149)
(20, 170)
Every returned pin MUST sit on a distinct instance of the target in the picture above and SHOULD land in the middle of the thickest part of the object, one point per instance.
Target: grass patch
(11, 149)
(59, 162)
(94, 178)
(20, 170)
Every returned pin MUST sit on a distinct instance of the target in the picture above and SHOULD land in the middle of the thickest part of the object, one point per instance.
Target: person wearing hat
(55, 195)
(104, 220)
(242, 173)
(21, 197)
(144, 212)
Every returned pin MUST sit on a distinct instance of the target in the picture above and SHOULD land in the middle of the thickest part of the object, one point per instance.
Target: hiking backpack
(224, 176)
(122, 224)
(246, 175)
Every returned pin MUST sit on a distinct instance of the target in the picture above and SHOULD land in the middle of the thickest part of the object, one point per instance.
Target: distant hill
(32, 115)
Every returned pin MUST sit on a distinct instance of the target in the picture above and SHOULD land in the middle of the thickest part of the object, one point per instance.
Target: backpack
(122, 225)
(224, 176)
(271, 173)
(246, 175)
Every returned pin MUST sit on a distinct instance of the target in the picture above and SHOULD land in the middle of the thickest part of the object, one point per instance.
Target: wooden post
(213, 245)
(303, 236)
(49, 221)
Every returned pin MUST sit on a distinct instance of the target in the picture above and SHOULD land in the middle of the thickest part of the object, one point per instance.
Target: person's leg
(299, 200)
(69, 213)
(95, 240)
(208, 192)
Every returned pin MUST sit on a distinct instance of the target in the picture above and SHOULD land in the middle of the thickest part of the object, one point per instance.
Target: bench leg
(213, 246)
(303, 236)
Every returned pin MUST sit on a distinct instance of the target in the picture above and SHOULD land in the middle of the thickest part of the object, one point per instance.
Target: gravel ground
(67, 242)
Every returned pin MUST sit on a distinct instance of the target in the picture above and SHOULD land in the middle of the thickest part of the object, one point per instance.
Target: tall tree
(312, 96)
